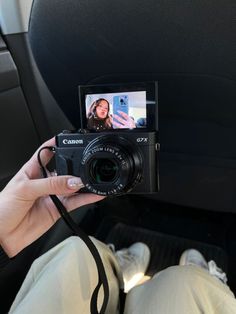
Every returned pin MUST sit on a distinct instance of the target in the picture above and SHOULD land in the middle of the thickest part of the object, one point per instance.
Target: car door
(18, 131)
(27, 109)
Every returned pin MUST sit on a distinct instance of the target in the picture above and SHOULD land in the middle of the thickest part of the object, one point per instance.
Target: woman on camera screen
(99, 117)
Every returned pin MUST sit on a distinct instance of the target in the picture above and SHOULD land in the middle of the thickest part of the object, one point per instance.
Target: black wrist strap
(102, 278)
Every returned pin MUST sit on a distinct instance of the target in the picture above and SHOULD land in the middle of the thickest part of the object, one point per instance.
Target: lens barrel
(111, 165)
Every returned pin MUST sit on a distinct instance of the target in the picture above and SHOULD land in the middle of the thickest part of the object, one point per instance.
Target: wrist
(9, 247)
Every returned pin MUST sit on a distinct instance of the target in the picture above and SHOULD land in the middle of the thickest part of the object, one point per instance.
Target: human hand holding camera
(124, 121)
(26, 210)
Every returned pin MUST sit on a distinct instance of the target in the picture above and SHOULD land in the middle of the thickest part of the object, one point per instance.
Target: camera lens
(104, 170)
(110, 165)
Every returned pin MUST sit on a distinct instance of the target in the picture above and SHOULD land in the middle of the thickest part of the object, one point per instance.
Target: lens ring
(123, 153)
(117, 157)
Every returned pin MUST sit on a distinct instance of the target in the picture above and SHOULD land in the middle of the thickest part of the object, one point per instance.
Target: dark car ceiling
(188, 46)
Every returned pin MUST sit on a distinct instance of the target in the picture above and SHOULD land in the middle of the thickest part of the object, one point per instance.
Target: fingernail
(75, 183)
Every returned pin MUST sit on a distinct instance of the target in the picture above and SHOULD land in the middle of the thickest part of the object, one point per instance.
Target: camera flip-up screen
(116, 107)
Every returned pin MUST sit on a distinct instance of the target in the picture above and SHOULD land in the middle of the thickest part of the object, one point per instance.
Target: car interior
(49, 48)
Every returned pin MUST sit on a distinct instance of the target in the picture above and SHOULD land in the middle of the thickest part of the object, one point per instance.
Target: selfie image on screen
(116, 110)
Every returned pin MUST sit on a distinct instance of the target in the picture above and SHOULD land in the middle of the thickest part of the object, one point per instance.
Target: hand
(125, 121)
(26, 210)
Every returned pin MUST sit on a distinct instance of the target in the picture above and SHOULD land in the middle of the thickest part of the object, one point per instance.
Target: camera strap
(102, 278)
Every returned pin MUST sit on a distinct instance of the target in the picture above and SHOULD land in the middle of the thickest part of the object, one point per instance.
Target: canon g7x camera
(116, 149)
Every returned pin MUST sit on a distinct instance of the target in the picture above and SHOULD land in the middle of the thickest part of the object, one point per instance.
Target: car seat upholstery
(189, 47)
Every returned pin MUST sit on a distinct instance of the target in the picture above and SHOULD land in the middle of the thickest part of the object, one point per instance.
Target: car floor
(168, 230)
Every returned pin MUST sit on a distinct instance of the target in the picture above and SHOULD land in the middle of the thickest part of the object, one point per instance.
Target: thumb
(54, 186)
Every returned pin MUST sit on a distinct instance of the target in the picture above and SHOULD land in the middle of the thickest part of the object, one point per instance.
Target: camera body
(116, 149)
(110, 163)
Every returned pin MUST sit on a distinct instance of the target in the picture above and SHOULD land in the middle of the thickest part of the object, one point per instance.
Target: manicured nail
(75, 183)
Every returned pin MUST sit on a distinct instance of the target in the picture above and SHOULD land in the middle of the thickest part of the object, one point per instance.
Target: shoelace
(124, 257)
(214, 270)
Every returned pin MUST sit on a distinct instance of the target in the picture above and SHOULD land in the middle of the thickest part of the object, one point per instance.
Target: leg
(181, 290)
(63, 279)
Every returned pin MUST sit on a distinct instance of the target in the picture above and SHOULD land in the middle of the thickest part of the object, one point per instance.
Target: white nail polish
(75, 183)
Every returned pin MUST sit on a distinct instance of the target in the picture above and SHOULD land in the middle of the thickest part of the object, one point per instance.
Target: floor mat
(165, 249)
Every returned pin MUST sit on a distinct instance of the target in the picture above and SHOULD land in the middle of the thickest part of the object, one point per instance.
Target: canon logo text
(69, 142)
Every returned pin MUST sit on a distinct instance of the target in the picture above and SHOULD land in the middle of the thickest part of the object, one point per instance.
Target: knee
(185, 277)
(181, 271)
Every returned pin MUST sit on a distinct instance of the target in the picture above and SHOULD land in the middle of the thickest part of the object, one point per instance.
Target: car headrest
(78, 42)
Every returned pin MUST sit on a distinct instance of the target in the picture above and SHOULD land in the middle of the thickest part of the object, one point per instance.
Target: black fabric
(189, 47)
(4, 259)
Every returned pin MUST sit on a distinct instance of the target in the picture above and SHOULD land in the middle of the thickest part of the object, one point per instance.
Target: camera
(113, 152)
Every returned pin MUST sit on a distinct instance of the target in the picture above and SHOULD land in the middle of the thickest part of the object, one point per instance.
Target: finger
(61, 185)
(118, 125)
(132, 123)
(124, 115)
(129, 120)
(74, 201)
(121, 120)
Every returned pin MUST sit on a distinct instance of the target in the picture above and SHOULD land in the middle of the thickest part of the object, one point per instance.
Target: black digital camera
(116, 150)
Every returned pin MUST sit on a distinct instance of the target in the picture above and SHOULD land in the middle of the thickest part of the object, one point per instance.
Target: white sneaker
(217, 272)
(194, 257)
(133, 262)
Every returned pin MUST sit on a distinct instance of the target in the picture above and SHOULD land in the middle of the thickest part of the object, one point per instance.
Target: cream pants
(62, 281)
